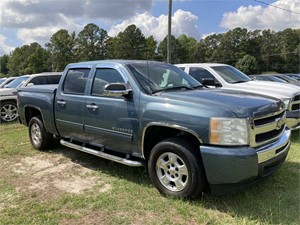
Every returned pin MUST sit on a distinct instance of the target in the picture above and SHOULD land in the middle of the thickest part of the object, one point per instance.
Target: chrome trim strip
(162, 124)
(293, 123)
(268, 127)
(107, 130)
(114, 158)
(268, 154)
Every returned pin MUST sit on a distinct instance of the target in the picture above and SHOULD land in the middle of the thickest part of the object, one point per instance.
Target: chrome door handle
(61, 102)
(92, 107)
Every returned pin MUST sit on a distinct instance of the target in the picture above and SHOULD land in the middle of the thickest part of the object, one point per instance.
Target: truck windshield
(155, 77)
(17, 82)
(231, 74)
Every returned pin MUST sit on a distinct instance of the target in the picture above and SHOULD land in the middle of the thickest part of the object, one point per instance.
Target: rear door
(70, 103)
(110, 121)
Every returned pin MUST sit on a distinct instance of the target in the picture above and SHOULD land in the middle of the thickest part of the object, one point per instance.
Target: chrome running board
(104, 155)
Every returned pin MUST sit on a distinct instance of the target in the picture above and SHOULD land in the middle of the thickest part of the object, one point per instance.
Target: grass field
(63, 186)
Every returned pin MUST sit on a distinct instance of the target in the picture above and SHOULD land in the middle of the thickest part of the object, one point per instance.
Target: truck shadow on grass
(275, 200)
(133, 174)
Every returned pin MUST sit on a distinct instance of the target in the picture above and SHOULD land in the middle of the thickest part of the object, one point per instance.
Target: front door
(111, 122)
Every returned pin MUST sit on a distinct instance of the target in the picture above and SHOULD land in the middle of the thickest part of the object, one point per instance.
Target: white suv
(225, 76)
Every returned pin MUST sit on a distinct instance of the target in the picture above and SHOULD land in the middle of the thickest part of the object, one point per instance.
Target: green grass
(130, 198)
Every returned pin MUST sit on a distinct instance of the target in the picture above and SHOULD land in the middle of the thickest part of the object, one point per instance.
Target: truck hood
(242, 104)
(7, 91)
(273, 89)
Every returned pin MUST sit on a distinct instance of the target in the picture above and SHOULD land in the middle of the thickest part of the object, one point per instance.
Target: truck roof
(117, 61)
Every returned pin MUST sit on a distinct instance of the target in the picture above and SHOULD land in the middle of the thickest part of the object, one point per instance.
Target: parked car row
(8, 95)
(150, 113)
(281, 78)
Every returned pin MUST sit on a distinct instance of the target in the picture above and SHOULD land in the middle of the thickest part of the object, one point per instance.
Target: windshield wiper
(199, 86)
(239, 81)
(173, 88)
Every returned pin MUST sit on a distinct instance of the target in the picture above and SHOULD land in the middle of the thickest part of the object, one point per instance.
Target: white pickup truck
(217, 75)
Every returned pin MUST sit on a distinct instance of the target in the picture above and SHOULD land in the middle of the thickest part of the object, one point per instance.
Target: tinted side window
(200, 73)
(54, 79)
(39, 80)
(103, 77)
(75, 81)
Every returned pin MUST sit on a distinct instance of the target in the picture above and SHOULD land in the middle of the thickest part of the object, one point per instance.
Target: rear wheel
(176, 169)
(8, 111)
(40, 139)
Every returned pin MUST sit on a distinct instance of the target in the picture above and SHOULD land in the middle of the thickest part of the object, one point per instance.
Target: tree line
(252, 51)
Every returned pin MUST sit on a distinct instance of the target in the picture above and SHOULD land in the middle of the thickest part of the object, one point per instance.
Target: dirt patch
(52, 175)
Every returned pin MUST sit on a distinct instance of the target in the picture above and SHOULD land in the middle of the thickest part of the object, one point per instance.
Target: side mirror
(117, 90)
(210, 82)
(30, 84)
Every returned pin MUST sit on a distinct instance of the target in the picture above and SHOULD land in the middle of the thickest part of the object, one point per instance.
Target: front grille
(267, 128)
(295, 104)
(269, 119)
(268, 135)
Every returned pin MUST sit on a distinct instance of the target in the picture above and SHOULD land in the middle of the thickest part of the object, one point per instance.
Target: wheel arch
(155, 132)
(30, 112)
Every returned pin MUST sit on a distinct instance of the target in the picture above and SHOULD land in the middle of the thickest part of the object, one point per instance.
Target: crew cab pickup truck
(151, 113)
(224, 76)
(8, 94)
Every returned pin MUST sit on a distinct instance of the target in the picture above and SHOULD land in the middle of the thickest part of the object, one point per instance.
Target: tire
(40, 139)
(8, 111)
(176, 169)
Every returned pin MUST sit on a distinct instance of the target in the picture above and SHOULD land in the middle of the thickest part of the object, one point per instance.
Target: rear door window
(75, 81)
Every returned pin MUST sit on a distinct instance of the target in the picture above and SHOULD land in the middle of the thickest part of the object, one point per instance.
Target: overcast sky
(26, 21)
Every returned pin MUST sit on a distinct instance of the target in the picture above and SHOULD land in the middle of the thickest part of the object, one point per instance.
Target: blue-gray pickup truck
(151, 113)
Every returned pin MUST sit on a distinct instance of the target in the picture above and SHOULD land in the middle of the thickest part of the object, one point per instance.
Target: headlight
(228, 131)
(286, 103)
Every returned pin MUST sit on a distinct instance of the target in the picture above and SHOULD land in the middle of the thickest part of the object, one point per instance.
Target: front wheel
(176, 169)
(40, 139)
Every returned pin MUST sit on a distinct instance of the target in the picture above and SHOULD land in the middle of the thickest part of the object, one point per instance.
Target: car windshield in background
(231, 74)
(155, 77)
(270, 78)
(276, 79)
(294, 76)
(17, 82)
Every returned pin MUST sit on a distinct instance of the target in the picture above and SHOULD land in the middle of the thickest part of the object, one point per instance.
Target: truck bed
(42, 100)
